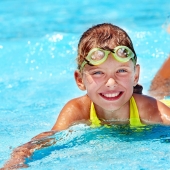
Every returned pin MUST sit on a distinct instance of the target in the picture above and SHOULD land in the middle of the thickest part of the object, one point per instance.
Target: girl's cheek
(89, 79)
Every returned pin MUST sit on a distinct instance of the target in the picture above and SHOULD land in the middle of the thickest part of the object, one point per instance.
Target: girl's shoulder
(79, 104)
(142, 99)
(145, 101)
(148, 108)
(152, 110)
(78, 107)
(76, 110)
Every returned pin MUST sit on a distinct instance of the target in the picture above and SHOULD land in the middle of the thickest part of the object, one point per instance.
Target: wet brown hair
(105, 36)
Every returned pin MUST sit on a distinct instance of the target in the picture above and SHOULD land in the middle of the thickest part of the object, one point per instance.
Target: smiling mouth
(111, 96)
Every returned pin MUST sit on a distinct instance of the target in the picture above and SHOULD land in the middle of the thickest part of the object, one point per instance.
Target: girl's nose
(111, 82)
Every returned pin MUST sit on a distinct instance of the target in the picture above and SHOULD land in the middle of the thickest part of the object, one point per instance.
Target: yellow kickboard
(166, 101)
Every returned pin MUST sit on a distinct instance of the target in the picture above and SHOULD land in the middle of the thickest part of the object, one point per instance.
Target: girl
(107, 70)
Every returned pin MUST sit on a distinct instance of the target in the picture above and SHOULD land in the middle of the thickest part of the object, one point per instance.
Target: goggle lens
(122, 52)
(97, 55)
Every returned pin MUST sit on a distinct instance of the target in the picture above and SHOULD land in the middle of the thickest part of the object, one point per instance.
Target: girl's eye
(122, 71)
(98, 72)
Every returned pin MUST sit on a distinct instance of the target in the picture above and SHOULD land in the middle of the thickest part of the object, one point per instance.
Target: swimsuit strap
(134, 114)
(95, 122)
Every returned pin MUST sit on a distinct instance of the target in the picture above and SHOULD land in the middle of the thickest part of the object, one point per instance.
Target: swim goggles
(97, 56)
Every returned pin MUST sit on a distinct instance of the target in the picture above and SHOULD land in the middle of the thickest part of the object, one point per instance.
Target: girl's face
(110, 85)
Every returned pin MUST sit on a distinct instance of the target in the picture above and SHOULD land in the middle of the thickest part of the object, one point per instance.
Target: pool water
(38, 43)
(119, 147)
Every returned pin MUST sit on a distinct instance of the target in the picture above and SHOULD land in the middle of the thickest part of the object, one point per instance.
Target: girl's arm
(24, 151)
(74, 111)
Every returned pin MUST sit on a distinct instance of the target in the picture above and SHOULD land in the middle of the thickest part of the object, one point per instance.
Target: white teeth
(111, 95)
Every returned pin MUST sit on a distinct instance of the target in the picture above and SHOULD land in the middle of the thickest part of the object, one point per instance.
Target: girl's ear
(137, 73)
(79, 80)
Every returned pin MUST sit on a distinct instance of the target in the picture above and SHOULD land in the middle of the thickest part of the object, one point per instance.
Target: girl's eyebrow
(94, 67)
(124, 65)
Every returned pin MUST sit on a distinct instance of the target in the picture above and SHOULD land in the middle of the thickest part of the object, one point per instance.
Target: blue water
(118, 147)
(38, 43)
